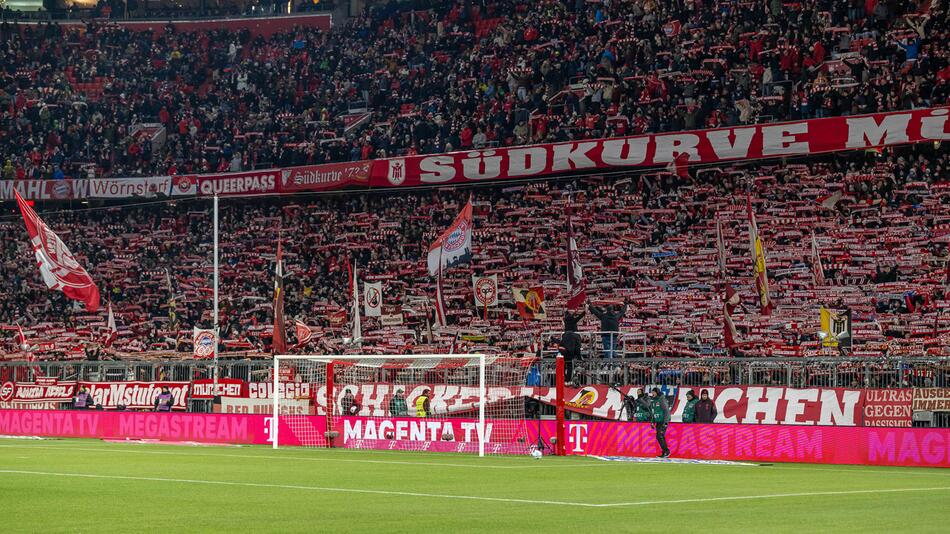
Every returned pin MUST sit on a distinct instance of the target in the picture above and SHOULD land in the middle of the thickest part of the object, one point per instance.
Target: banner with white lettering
(136, 395)
(658, 150)
(239, 183)
(324, 177)
(227, 387)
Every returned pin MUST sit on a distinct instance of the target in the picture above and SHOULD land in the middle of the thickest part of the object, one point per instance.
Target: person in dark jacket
(610, 317)
(397, 405)
(164, 401)
(705, 409)
(660, 410)
(689, 411)
(83, 400)
(570, 345)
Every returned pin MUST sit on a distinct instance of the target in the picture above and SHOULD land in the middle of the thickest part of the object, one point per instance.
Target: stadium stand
(647, 239)
(76, 99)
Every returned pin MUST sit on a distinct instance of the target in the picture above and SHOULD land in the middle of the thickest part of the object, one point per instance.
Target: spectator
(610, 317)
(705, 409)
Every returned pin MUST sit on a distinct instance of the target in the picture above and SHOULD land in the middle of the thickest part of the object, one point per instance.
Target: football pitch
(94, 486)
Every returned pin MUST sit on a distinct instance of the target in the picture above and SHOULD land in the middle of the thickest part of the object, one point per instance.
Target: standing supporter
(610, 317)
(705, 409)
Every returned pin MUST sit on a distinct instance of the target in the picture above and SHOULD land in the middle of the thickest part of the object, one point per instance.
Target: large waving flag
(758, 257)
(576, 286)
(454, 246)
(59, 268)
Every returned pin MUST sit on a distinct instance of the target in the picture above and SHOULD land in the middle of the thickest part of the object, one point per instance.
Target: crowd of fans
(881, 223)
(420, 78)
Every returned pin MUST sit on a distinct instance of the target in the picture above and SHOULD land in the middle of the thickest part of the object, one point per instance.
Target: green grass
(174, 488)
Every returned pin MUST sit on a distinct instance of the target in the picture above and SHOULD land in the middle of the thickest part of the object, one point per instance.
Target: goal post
(466, 403)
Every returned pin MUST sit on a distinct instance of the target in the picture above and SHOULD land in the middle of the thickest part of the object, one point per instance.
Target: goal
(466, 403)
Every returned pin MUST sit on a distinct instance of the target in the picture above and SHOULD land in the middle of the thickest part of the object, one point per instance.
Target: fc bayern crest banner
(485, 290)
(206, 343)
(454, 246)
(372, 299)
(59, 268)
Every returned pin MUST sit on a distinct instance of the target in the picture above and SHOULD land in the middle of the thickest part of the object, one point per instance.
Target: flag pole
(217, 334)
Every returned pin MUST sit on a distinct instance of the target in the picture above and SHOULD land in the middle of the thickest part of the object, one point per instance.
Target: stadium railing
(793, 372)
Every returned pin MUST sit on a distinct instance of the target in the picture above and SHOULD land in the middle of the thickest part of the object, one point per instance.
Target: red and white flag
(59, 268)
(758, 259)
(304, 333)
(576, 286)
(112, 332)
(721, 248)
(680, 165)
(454, 246)
(728, 307)
(816, 266)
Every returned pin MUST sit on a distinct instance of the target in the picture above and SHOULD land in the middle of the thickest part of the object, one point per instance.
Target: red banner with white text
(658, 150)
(227, 387)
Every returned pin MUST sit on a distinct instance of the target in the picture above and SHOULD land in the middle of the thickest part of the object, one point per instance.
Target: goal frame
(331, 358)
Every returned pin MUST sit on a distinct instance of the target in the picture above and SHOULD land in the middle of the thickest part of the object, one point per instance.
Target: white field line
(473, 497)
(476, 464)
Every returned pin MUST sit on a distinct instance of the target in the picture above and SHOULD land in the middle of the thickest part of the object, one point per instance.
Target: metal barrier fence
(793, 372)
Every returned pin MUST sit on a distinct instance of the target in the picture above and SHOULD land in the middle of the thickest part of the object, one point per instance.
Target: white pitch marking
(290, 486)
(474, 497)
(123, 450)
(774, 496)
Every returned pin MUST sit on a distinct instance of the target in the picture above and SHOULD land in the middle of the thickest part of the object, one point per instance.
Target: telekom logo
(577, 436)
(268, 425)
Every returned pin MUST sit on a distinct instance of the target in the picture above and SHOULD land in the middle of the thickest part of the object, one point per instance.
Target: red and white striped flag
(59, 268)
(728, 307)
(576, 286)
(816, 266)
(758, 259)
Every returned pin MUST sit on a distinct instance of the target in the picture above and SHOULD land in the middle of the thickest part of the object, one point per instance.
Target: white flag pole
(215, 306)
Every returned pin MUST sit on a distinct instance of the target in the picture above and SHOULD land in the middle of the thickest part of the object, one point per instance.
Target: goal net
(470, 403)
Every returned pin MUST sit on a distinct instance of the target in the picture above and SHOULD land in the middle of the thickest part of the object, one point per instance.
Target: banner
(325, 177)
(205, 343)
(136, 395)
(37, 392)
(888, 407)
(835, 328)
(372, 299)
(657, 150)
(921, 447)
(239, 183)
(530, 302)
(44, 189)
(264, 406)
(931, 400)
(485, 290)
(227, 387)
(130, 187)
